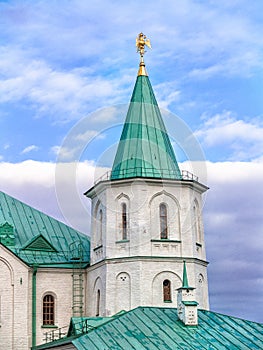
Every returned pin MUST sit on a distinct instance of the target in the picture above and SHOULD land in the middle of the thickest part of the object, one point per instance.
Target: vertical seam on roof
(255, 327)
(130, 318)
(227, 321)
(230, 336)
(121, 321)
(180, 335)
(160, 331)
(214, 333)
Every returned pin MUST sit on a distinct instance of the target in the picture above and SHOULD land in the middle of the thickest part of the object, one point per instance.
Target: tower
(146, 218)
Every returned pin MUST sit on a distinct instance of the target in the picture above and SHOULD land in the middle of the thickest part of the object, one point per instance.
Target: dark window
(167, 290)
(100, 227)
(163, 221)
(48, 310)
(98, 303)
(124, 221)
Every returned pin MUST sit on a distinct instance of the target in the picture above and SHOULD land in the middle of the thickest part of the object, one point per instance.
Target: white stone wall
(131, 282)
(141, 278)
(185, 227)
(14, 295)
(57, 282)
(16, 300)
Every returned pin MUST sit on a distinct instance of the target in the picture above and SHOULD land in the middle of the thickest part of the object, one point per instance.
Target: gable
(40, 243)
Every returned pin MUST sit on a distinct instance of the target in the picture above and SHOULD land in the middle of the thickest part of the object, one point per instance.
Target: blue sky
(69, 67)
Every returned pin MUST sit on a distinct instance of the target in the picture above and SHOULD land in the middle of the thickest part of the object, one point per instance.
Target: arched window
(196, 223)
(124, 221)
(100, 227)
(167, 291)
(48, 310)
(98, 303)
(163, 221)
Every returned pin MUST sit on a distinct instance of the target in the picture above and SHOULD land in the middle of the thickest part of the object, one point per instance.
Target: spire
(144, 149)
(185, 279)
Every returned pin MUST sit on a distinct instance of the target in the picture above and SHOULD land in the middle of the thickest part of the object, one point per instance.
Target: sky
(67, 71)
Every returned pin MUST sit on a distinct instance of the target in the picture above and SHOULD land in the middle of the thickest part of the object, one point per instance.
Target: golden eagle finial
(141, 41)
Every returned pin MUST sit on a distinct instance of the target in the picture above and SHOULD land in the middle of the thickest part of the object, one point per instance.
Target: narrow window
(100, 226)
(124, 221)
(163, 221)
(196, 224)
(167, 291)
(98, 303)
(48, 310)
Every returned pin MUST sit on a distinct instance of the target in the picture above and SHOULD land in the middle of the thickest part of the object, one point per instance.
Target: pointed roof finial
(185, 279)
(141, 41)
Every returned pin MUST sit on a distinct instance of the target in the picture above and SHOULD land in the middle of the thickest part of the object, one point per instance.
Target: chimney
(186, 304)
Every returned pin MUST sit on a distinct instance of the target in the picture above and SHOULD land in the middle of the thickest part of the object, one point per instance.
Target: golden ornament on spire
(141, 41)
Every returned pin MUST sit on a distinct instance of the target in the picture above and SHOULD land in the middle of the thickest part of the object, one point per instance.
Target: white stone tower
(146, 218)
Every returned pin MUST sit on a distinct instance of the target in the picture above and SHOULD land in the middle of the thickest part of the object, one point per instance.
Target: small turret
(186, 304)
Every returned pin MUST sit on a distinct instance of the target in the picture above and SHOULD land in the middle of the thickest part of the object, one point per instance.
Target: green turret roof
(144, 149)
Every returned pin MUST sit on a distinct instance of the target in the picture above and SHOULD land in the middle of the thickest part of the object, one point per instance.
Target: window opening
(163, 221)
(167, 290)
(124, 221)
(196, 224)
(98, 303)
(100, 226)
(48, 310)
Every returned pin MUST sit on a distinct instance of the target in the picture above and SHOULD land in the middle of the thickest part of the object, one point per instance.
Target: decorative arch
(7, 300)
(10, 269)
(123, 292)
(160, 288)
(165, 193)
(171, 220)
(123, 196)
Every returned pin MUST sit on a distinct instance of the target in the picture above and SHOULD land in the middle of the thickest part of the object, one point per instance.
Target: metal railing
(164, 174)
(80, 327)
(55, 334)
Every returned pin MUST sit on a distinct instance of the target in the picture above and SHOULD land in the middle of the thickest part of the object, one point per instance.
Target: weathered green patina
(144, 149)
(156, 328)
(37, 238)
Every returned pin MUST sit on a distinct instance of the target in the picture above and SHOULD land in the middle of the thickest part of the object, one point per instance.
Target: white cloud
(232, 212)
(233, 208)
(62, 94)
(244, 138)
(29, 149)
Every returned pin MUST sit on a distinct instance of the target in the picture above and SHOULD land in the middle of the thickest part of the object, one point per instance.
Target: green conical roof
(144, 149)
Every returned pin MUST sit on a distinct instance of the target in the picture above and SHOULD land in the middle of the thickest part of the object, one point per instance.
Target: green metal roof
(144, 149)
(38, 238)
(80, 325)
(160, 329)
